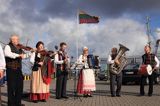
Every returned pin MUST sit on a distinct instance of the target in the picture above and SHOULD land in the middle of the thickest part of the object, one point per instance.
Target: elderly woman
(86, 81)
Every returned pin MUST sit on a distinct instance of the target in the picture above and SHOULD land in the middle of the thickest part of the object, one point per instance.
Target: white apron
(88, 80)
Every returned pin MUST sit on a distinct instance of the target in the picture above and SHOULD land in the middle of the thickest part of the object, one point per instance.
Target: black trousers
(61, 83)
(14, 86)
(143, 81)
(118, 80)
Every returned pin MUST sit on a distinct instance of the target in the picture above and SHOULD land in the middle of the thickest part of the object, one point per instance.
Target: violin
(27, 48)
(47, 53)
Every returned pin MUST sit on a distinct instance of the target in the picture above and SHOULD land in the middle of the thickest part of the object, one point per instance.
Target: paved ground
(100, 98)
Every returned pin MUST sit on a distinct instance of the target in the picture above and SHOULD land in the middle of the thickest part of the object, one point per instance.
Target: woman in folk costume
(41, 74)
(86, 81)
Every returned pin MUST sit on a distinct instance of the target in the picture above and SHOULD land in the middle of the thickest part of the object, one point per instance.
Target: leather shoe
(43, 100)
(66, 97)
(141, 95)
(118, 95)
(85, 96)
(112, 95)
(58, 98)
(35, 101)
(149, 95)
(89, 95)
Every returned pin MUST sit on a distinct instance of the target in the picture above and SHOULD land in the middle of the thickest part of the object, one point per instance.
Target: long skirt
(39, 89)
(86, 82)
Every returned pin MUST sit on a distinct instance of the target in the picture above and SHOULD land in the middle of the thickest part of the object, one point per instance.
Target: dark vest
(36, 61)
(149, 59)
(61, 57)
(113, 56)
(14, 63)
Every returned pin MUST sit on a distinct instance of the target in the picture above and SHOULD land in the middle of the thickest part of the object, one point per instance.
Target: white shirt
(2, 59)
(57, 61)
(8, 53)
(32, 58)
(83, 60)
(157, 61)
(110, 60)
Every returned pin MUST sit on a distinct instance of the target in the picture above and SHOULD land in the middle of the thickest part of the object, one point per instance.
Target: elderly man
(14, 56)
(113, 77)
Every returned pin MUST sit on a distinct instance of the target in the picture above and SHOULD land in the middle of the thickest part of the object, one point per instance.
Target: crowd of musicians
(42, 69)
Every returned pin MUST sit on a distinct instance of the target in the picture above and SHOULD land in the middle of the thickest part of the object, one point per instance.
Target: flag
(85, 18)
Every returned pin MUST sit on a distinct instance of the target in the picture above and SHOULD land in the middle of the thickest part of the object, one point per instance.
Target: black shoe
(141, 94)
(66, 97)
(35, 101)
(43, 100)
(118, 95)
(58, 98)
(89, 95)
(149, 95)
(113, 95)
(85, 96)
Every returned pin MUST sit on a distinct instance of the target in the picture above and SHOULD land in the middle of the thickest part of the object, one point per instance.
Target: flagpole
(77, 45)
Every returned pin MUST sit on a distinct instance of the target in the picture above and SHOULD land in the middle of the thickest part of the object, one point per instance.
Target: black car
(130, 74)
(102, 73)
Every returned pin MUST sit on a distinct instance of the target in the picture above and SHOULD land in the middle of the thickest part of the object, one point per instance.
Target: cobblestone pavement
(100, 98)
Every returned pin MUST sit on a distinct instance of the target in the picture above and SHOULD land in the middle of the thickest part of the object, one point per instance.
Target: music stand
(77, 67)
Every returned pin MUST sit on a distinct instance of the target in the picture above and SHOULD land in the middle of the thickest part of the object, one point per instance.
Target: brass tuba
(117, 68)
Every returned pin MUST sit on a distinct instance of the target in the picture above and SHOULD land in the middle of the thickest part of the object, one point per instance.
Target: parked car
(130, 74)
(102, 74)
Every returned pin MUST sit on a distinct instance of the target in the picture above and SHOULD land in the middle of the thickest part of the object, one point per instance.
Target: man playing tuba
(114, 77)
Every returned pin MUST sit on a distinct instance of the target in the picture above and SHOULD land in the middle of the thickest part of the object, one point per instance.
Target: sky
(54, 21)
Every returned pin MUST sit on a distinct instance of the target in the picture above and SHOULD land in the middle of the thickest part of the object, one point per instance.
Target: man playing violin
(148, 59)
(61, 59)
(14, 56)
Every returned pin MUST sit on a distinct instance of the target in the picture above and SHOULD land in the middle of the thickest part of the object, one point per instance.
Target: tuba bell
(117, 68)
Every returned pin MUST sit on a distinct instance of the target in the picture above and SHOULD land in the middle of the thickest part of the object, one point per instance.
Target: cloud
(4, 6)
(40, 10)
(100, 38)
(54, 21)
(105, 8)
